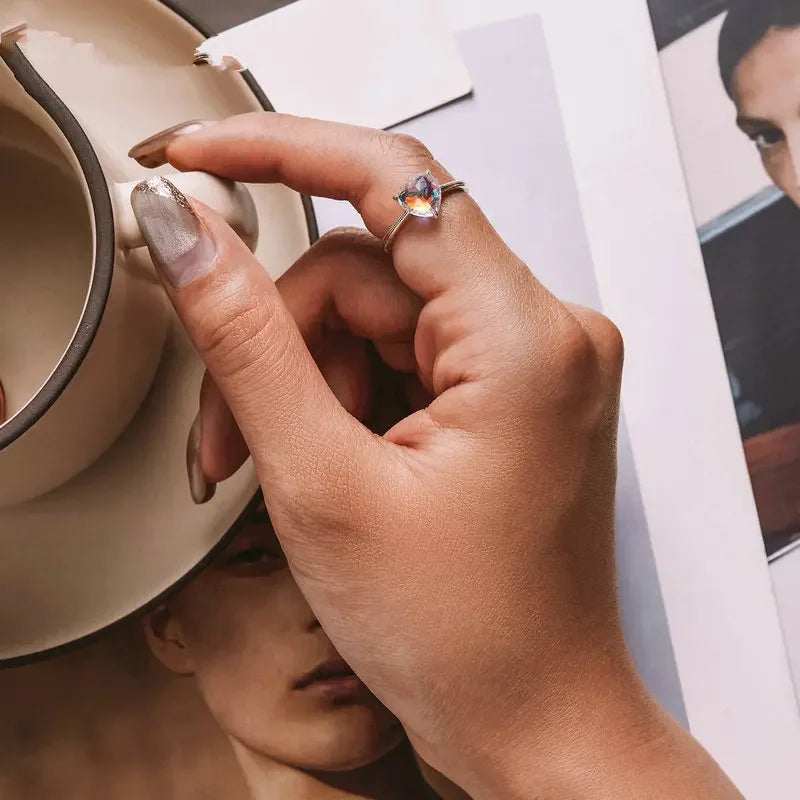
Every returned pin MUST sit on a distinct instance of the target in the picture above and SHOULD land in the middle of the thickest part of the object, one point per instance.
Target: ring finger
(365, 167)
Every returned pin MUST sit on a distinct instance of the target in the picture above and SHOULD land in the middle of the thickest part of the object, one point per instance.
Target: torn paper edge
(212, 53)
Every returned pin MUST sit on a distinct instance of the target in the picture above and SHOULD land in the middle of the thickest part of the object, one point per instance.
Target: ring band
(420, 197)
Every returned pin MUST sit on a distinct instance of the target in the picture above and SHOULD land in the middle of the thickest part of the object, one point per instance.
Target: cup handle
(231, 200)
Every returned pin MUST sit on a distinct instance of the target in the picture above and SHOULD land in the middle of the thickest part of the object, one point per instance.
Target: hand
(463, 562)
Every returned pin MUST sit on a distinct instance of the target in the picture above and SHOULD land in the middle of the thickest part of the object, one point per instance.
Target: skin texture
(766, 86)
(245, 633)
(462, 562)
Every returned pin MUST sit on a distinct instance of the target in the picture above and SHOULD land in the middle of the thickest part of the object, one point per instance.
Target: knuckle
(396, 156)
(412, 148)
(576, 353)
(400, 149)
(343, 238)
(341, 232)
(610, 343)
(606, 339)
(589, 370)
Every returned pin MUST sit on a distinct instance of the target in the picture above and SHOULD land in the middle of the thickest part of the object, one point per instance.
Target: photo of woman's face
(766, 88)
(265, 668)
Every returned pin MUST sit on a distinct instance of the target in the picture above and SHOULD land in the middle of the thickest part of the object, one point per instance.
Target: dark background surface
(755, 286)
(675, 18)
(223, 14)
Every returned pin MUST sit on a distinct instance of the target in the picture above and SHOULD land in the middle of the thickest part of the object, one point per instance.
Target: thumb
(251, 345)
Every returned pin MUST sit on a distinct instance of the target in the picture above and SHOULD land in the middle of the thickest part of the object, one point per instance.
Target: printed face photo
(731, 69)
(228, 688)
(766, 90)
(732, 73)
(264, 666)
(759, 56)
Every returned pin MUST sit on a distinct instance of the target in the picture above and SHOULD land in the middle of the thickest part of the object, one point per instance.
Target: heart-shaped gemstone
(421, 196)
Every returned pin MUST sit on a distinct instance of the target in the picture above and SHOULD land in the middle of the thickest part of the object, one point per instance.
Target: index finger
(367, 168)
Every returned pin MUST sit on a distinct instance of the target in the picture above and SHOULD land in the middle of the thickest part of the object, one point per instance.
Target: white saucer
(122, 533)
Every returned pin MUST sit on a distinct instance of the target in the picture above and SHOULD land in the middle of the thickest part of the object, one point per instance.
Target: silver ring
(420, 197)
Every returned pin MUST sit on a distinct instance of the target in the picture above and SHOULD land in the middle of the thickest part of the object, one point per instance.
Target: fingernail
(181, 246)
(152, 152)
(202, 491)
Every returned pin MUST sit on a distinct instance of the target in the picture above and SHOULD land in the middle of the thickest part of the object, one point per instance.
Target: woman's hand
(463, 562)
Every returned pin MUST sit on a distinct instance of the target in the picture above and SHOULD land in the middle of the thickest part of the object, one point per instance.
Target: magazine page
(735, 120)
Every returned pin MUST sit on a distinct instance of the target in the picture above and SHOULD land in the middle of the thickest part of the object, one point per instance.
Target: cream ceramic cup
(83, 318)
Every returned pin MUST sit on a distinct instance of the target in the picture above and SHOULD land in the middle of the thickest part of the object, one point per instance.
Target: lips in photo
(332, 678)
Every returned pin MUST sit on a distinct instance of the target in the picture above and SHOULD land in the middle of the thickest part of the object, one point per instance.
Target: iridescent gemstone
(422, 196)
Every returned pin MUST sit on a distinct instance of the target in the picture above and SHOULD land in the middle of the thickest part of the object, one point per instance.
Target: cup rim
(313, 232)
(104, 242)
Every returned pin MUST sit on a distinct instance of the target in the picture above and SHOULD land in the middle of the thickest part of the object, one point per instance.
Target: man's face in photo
(264, 666)
(766, 89)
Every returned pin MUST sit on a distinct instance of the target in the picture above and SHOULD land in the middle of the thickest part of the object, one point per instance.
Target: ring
(420, 197)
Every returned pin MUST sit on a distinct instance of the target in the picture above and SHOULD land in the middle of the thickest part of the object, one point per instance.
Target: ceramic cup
(83, 318)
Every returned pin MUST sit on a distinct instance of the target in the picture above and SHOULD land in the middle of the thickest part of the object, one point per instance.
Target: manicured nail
(152, 152)
(181, 246)
(202, 491)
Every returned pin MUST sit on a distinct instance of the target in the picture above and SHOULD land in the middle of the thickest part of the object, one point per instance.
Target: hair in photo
(746, 24)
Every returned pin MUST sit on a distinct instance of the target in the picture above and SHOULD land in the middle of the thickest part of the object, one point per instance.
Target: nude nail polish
(201, 489)
(152, 152)
(181, 246)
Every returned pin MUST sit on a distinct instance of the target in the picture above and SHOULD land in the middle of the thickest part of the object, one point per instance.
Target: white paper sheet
(354, 61)
(716, 588)
(704, 528)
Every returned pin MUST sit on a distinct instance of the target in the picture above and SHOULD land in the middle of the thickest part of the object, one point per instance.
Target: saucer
(125, 531)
